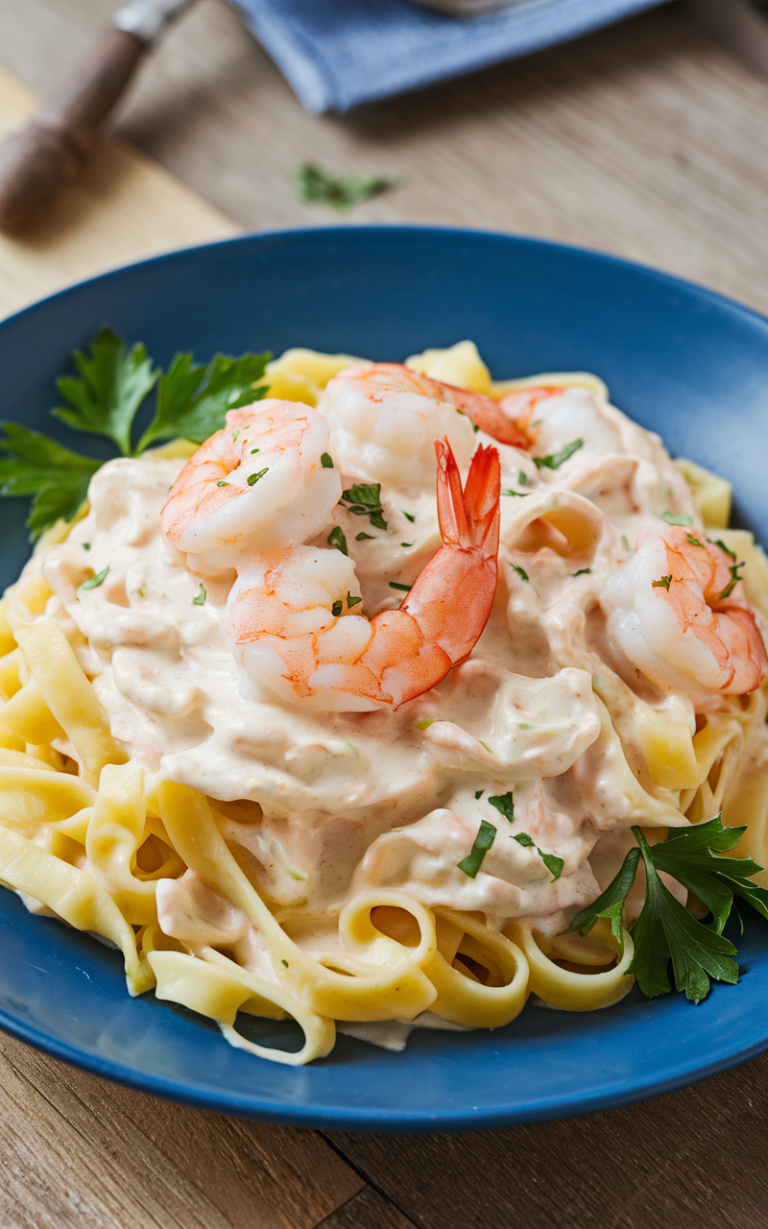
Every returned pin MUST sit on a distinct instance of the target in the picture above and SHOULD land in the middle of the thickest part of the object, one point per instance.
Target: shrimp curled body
(293, 613)
(678, 611)
(384, 418)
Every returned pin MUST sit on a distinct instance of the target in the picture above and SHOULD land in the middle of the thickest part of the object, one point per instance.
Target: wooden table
(646, 140)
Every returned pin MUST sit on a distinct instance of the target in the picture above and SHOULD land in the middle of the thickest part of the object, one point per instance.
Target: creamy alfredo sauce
(332, 803)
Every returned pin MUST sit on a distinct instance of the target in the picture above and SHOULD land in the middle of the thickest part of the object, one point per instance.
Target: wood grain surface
(646, 140)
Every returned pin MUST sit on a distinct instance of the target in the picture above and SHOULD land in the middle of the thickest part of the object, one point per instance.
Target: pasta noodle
(252, 857)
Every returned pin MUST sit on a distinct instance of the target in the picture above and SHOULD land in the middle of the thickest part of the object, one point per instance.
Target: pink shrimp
(380, 385)
(678, 610)
(291, 613)
(259, 483)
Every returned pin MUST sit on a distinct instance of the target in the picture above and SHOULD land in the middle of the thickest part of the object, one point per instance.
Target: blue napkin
(339, 53)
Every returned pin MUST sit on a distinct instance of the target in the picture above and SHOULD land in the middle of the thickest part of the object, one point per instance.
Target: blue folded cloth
(337, 54)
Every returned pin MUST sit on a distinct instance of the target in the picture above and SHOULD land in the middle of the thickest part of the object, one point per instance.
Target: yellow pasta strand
(37, 795)
(68, 694)
(460, 365)
(74, 895)
(467, 1001)
(572, 991)
(28, 716)
(114, 834)
(395, 993)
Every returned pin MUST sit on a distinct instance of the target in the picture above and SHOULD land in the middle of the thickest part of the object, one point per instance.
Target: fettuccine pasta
(300, 753)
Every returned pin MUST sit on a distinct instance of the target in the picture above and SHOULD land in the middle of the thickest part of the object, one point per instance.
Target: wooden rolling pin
(37, 162)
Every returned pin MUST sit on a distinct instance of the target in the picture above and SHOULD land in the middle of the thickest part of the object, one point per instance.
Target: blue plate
(678, 359)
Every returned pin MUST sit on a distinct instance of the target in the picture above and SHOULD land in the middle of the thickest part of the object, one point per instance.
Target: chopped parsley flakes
(556, 459)
(93, 583)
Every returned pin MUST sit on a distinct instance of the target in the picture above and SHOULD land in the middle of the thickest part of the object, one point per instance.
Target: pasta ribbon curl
(561, 987)
(68, 694)
(75, 896)
(360, 992)
(115, 833)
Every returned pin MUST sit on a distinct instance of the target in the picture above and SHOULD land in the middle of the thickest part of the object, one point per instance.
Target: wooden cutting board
(125, 207)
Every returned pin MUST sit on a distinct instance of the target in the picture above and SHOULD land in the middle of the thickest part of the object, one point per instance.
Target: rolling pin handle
(36, 162)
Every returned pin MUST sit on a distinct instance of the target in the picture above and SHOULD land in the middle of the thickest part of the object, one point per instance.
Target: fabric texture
(337, 54)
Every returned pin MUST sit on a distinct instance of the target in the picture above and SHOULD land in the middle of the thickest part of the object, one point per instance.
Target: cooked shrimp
(384, 418)
(292, 613)
(259, 484)
(678, 611)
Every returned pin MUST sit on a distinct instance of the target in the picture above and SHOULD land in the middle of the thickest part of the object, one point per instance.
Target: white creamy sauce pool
(354, 800)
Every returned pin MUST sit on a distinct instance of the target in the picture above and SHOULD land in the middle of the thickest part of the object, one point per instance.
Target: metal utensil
(37, 161)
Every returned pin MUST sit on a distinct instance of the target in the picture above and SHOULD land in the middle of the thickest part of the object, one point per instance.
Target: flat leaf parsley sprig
(665, 930)
(112, 384)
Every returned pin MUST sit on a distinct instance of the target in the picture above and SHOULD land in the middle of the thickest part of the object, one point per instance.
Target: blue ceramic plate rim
(720, 1055)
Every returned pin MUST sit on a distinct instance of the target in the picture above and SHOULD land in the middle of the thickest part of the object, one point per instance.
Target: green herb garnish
(677, 518)
(692, 541)
(336, 538)
(625, 542)
(395, 584)
(326, 460)
(479, 793)
(252, 479)
(112, 384)
(727, 549)
(314, 186)
(556, 459)
(522, 478)
(504, 804)
(735, 578)
(364, 499)
(662, 583)
(93, 583)
(553, 864)
(337, 608)
(520, 571)
(482, 843)
(201, 596)
(583, 572)
(352, 601)
(408, 515)
(665, 930)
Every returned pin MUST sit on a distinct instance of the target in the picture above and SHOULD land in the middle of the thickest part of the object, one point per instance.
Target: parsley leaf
(727, 549)
(193, 399)
(677, 518)
(336, 538)
(505, 804)
(610, 903)
(364, 499)
(662, 583)
(735, 578)
(520, 571)
(39, 466)
(315, 186)
(92, 583)
(553, 864)
(556, 459)
(485, 837)
(665, 930)
(202, 594)
(112, 384)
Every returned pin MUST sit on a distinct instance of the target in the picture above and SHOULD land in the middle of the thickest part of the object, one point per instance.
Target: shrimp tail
(469, 519)
(452, 599)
